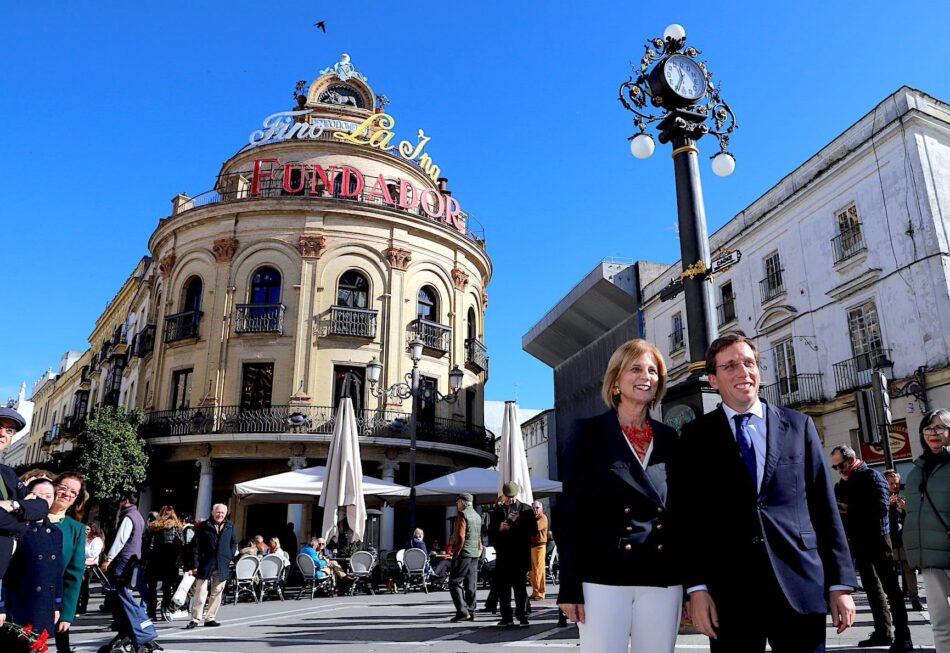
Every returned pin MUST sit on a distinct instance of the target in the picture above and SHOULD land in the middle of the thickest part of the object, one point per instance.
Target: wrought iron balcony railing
(357, 322)
(182, 326)
(726, 312)
(856, 372)
(144, 341)
(434, 336)
(848, 243)
(772, 286)
(311, 420)
(476, 355)
(794, 390)
(259, 318)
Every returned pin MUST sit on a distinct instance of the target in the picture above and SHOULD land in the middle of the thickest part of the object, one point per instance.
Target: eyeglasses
(839, 467)
(936, 430)
(62, 489)
(730, 367)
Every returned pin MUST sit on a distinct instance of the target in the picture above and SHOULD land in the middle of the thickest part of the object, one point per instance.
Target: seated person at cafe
(320, 562)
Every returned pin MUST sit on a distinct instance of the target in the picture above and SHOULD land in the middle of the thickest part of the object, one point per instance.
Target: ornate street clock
(678, 80)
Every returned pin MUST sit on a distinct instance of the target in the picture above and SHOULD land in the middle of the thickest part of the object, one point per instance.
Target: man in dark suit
(15, 509)
(764, 552)
(864, 498)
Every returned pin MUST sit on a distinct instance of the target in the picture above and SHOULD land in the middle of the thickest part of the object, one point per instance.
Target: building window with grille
(849, 239)
(786, 370)
(427, 307)
(727, 303)
(352, 290)
(181, 389)
(865, 330)
(257, 385)
(773, 284)
(677, 335)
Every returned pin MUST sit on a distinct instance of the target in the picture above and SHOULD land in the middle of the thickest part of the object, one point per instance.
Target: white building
(843, 260)
(15, 453)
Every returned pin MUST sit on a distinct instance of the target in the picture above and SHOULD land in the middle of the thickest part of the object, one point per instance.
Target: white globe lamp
(723, 164)
(642, 146)
(674, 32)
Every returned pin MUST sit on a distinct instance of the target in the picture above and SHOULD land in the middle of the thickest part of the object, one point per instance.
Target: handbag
(181, 593)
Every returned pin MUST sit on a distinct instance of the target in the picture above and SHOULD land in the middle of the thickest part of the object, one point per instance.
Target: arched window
(352, 290)
(428, 304)
(191, 298)
(471, 325)
(265, 287)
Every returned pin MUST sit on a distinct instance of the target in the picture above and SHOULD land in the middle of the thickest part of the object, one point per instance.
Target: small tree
(112, 455)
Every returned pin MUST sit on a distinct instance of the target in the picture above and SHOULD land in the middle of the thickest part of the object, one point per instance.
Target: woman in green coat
(70, 496)
(927, 525)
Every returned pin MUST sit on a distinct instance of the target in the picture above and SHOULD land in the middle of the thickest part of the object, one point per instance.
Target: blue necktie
(744, 440)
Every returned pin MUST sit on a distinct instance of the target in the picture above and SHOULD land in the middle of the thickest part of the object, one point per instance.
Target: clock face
(684, 77)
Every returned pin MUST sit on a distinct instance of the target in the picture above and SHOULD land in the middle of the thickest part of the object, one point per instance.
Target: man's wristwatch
(17, 508)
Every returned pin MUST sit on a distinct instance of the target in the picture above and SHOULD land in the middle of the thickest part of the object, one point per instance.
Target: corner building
(325, 243)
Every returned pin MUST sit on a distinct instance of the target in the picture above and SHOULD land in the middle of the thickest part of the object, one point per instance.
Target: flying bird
(321, 25)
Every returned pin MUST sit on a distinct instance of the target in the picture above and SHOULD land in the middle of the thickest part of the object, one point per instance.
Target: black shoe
(191, 624)
(471, 616)
(523, 623)
(916, 606)
(505, 623)
(493, 609)
(212, 624)
(876, 639)
(459, 617)
(901, 646)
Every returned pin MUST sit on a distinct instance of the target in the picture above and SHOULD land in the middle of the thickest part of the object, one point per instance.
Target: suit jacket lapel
(775, 427)
(623, 461)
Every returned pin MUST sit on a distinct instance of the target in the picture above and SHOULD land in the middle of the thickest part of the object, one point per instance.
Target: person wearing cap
(467, 550)
(510, 528)
(15, 509)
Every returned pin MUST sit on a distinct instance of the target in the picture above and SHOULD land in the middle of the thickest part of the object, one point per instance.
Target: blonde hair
(621, 359)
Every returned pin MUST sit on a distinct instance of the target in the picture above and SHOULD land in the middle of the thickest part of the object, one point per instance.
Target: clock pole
(688, 106)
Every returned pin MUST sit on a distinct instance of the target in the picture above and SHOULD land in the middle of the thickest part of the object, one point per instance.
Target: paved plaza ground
(400, 622)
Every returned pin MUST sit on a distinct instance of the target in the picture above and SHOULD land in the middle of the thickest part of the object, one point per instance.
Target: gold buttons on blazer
(659, 510)
(659, 527)
(627, 546)
(626, 510)
(629, 529)
(659, 547)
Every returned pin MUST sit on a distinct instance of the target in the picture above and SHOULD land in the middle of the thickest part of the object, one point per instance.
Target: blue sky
(111, 108)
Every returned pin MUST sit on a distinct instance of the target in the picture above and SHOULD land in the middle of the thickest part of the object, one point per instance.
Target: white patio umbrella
(306, 486)
(481, 483)
(513, 461)
(342, 494)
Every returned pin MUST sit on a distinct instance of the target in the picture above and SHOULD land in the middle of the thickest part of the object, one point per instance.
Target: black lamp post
(411, 388)
(688, 106)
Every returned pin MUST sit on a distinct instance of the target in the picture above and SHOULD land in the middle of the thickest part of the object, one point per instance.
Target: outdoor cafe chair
(245, 576)
(361, 568)
(553, 568)
(272, 575)
(311, 577)
(416, 564)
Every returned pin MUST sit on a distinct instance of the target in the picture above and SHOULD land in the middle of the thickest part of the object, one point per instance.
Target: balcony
(677, 340)
(355, 322)
(848, 243)
(317, 420)
(436, 338)
(856, 372)
(726, 312)
(259, 318)
(794, 390)
(772, 286)
(236, 188)
(144, 342)
(476, 356)
(182, 326)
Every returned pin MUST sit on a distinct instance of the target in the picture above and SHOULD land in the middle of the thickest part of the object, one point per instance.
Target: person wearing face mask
(620, 579)
(32, 592)
(927, 525)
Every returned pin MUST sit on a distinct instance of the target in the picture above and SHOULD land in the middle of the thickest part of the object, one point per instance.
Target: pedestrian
(763, 552)
(133, 626)
(511, 526)
(95, 543)
(215, 545)
(863, 495)
(289, 539)
(896, 514)
(466, 550)
(539, 547)
(67, 509)
(165, 542)
(15, 509)
(32, 592)
(620, 578)
(927, 526)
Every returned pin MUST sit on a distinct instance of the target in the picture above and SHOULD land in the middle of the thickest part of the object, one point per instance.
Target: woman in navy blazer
(619, 578)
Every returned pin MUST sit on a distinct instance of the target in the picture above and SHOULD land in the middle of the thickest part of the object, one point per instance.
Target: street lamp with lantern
(411, 388)
(674, 91)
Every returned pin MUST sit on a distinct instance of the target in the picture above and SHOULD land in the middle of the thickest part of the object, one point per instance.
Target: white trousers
(937, 582)
(622, 618)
